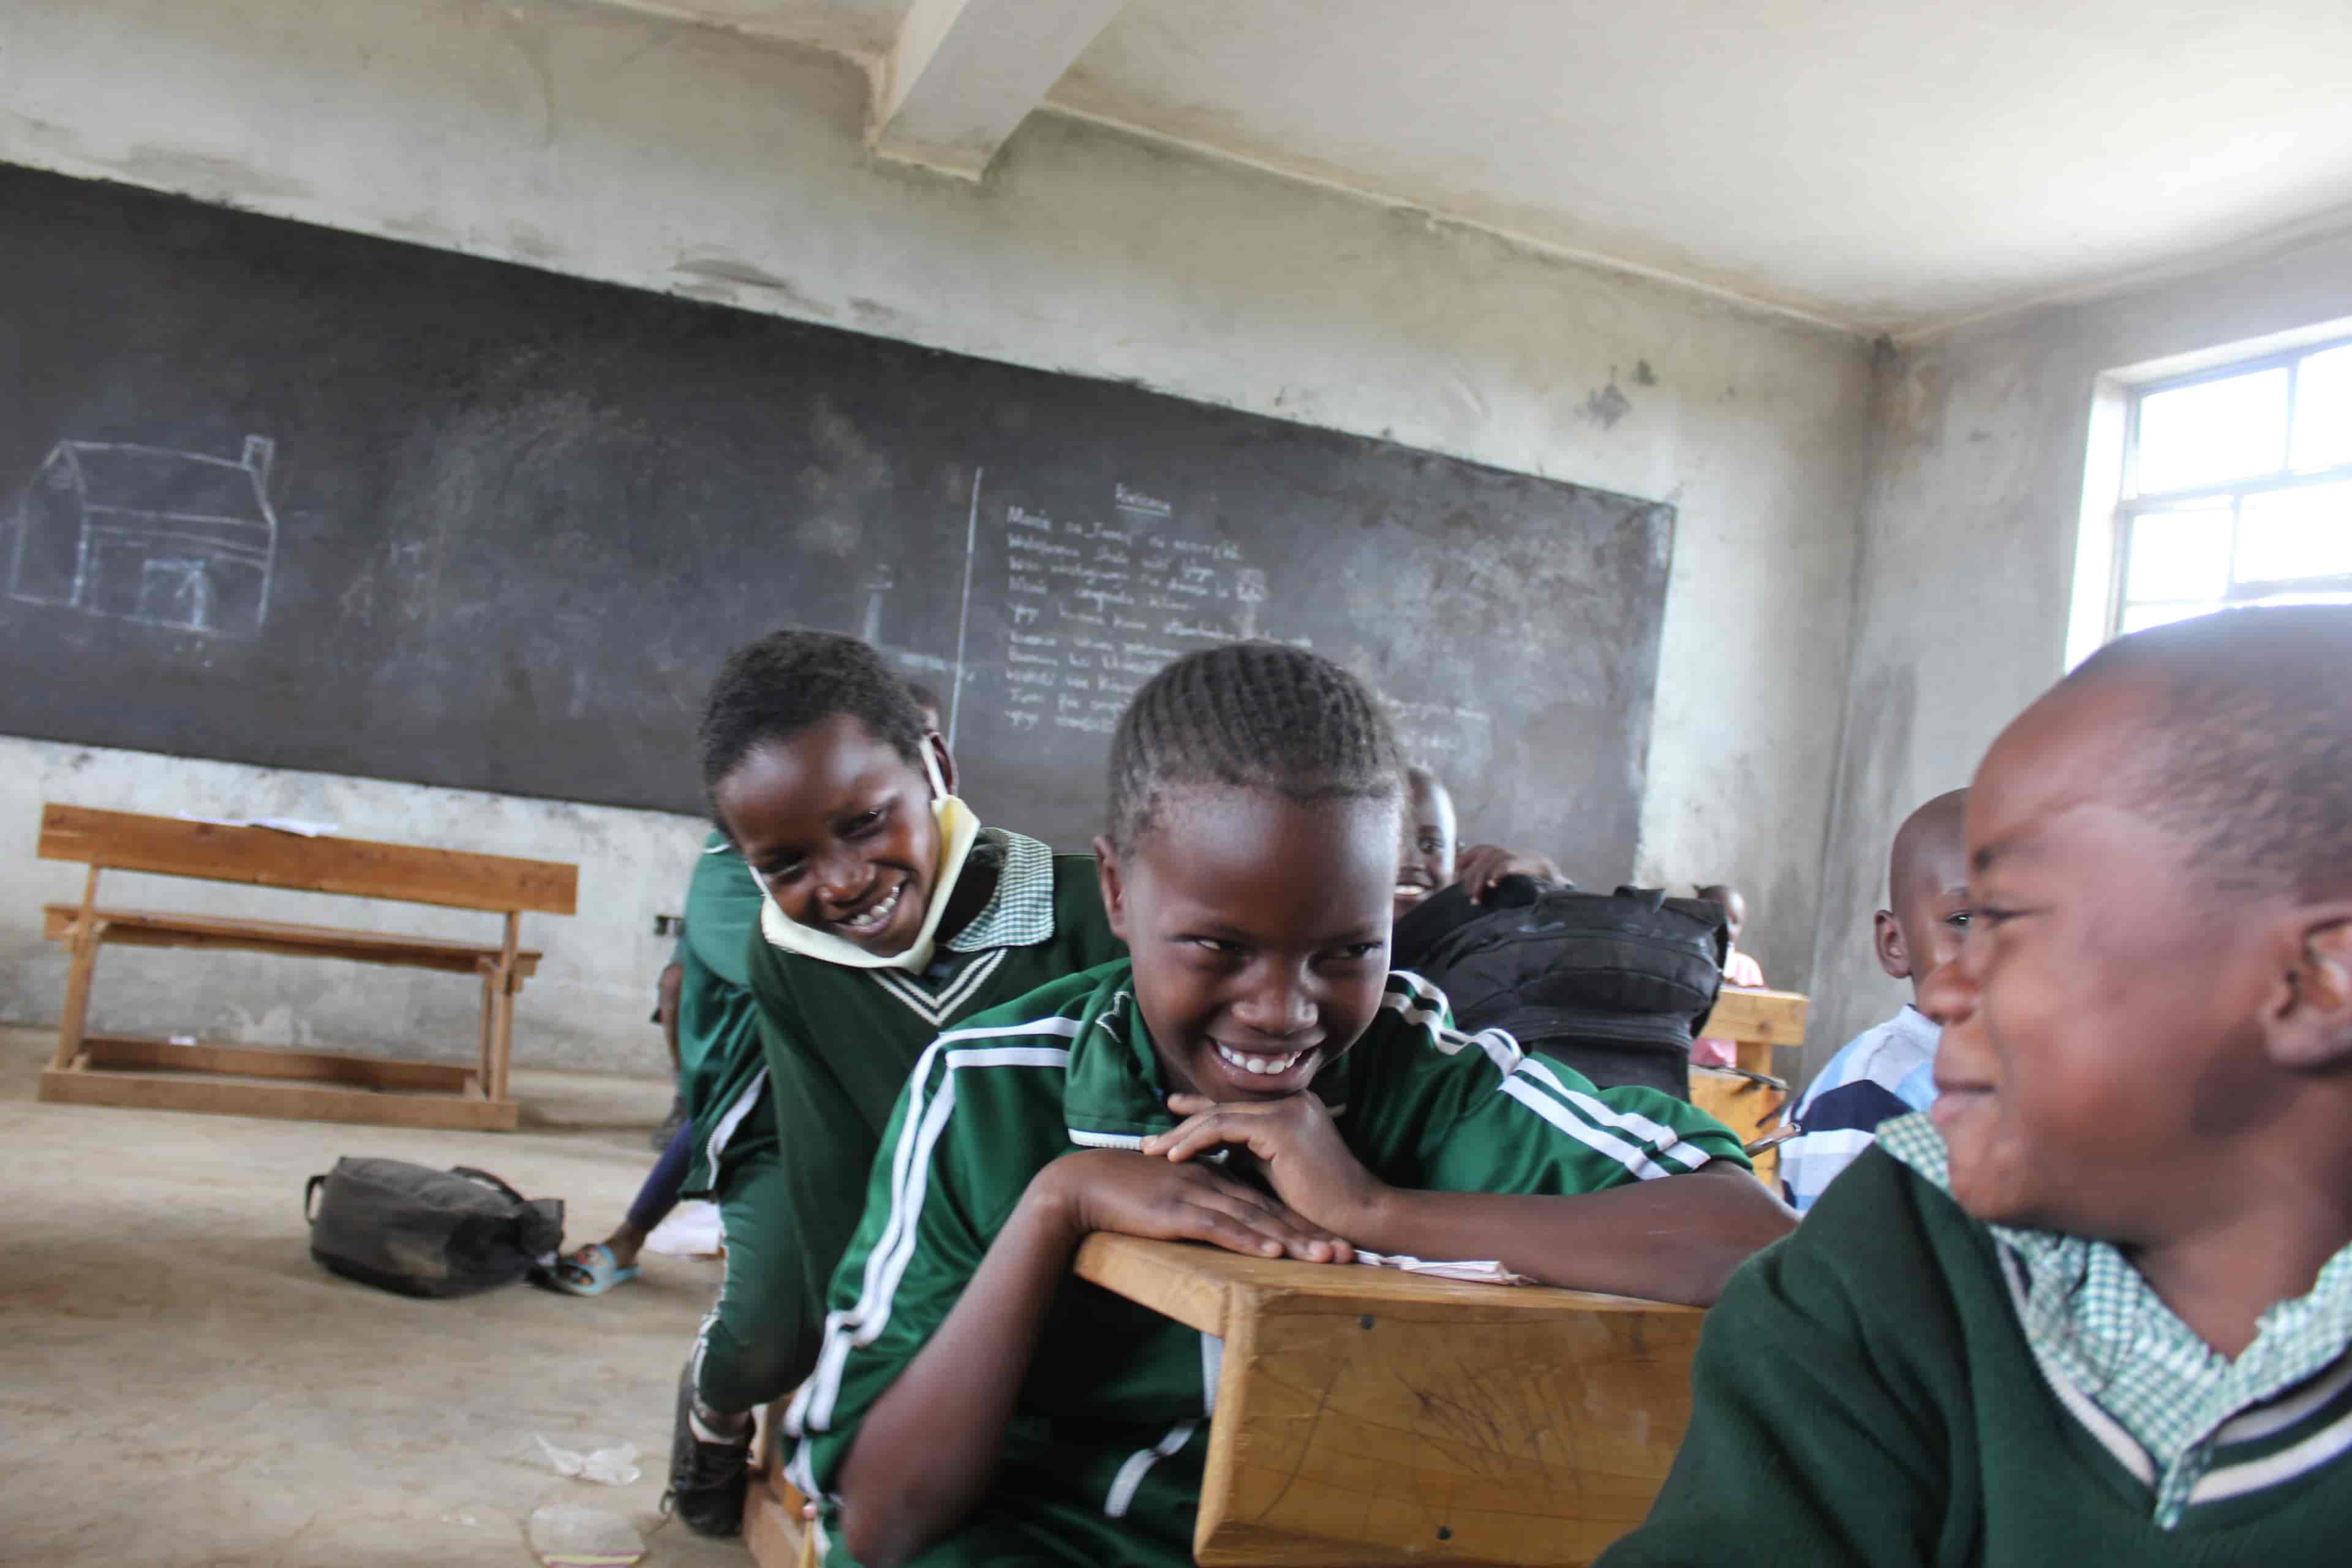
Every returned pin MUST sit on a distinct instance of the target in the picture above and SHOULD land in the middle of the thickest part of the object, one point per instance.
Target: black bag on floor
(1614, 985)
(424, 1232)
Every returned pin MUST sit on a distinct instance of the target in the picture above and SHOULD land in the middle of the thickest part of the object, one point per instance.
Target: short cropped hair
(1256, 715)
(793, 679)
(2251, 763)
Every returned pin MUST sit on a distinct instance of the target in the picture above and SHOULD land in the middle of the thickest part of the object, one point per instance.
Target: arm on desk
(1668, 1238)
(1677, 1238)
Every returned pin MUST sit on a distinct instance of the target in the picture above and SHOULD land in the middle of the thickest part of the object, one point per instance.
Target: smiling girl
(889, 914)
(1251, 866)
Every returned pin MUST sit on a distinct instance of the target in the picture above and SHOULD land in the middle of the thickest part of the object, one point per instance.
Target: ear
(1893, 952)
(1114, 895)
(2307, 1019)
(944, 757)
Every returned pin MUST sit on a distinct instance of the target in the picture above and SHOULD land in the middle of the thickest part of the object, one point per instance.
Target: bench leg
(503, 1037)
(489, 1026)
(502, 1013)
(74, 1018)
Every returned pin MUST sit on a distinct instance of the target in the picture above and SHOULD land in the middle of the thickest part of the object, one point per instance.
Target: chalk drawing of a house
(167, 538)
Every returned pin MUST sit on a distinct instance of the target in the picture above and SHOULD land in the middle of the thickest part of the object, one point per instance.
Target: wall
(699, 161)
(1967, 563)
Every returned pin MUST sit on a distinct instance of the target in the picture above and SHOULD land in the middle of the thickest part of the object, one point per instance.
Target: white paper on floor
(574, 1535)
(615, 1467)
(690, 1231)
(1486, 1271)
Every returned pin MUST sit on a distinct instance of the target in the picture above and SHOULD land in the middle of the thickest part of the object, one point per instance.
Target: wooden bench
(1370, 1416)
(318, 1086)
(1747, 1098)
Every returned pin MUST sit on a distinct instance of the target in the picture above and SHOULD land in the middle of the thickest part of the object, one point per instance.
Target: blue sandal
(591, 1271)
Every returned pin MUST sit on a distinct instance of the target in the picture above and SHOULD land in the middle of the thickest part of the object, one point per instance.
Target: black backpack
(1616, 985)
(424, 1232)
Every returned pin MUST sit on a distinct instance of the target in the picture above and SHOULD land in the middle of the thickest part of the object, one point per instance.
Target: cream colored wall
(1968, 556)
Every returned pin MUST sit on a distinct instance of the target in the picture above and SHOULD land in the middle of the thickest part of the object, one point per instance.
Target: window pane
(2285, 534)
(2179, 554)
(2322, 410)
(2213, 431)
(2139, 617)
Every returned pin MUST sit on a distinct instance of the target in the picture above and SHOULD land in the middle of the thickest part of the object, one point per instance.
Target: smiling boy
(2096, 1307)
(1888, 1070)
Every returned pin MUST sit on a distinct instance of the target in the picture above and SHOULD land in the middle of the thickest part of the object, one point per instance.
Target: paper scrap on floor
(1486, 1271)
(690, 1231)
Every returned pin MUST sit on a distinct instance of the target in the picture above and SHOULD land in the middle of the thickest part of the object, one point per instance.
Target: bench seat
(158, 927)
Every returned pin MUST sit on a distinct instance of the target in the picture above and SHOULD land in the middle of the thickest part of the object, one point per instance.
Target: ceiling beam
(965, 73)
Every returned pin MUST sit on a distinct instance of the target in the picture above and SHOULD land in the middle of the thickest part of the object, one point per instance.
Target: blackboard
(287, 496)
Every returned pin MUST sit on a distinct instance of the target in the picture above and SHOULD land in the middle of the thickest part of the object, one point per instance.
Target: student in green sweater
(889, 913)
(1256, 1078)
(2094, 1306)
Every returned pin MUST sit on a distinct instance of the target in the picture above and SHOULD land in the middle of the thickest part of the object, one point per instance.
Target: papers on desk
(294, 825)
(1485, 1272)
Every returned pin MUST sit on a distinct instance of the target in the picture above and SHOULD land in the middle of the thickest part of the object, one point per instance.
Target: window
(2237, 489)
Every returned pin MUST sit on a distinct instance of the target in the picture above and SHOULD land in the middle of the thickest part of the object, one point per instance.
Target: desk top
(1766, 1018)
(1204, 1287)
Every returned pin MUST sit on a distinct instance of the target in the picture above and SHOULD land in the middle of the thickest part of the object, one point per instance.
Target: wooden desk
(1368, 1416)
(1758, 1022)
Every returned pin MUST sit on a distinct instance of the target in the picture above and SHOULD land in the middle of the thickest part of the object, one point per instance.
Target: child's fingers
(1300, 1236)
(1207, 1129)
(1190, 1104)
(1245, 1227)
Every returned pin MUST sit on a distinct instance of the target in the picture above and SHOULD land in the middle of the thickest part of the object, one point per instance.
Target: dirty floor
(181, 1385)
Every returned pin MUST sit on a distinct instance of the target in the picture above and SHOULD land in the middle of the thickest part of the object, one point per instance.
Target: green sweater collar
(2091, 1318)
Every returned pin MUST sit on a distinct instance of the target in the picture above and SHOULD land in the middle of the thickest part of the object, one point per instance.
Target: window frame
(2131, 504)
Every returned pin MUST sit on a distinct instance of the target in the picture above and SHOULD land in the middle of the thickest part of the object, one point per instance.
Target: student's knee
(743, 1364)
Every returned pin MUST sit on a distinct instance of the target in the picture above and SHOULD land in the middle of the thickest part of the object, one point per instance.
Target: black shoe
(707, 1480)
(661, 1135)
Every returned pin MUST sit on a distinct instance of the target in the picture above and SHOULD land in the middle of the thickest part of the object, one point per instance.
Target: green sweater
(1864, 1395)
(716, 1026)
(838, 1044)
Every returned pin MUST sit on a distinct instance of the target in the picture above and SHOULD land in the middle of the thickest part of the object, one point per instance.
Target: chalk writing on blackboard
(1095, 605)
(166, 538)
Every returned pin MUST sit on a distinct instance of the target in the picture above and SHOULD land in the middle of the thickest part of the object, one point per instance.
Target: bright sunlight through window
(2238, 490)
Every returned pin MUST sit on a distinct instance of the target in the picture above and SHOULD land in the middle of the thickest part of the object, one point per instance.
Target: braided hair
(1256, 715)
(793, 680)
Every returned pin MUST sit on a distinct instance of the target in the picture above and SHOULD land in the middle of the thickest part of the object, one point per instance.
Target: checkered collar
(1021, 911)
(2091, 1318)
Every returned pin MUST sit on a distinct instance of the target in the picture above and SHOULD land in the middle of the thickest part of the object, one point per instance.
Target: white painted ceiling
(1883, 165)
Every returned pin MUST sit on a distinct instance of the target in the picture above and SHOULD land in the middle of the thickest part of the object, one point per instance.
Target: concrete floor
(181, 1385)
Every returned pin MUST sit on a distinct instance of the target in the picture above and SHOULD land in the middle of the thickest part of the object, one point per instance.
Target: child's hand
(1109, 1189)
(1296, 1143)
(1481, 866)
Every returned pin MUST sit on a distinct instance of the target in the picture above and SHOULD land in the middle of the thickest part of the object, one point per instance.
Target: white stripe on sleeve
(1671, 1145)
(811, 1408)
(1138, 1464)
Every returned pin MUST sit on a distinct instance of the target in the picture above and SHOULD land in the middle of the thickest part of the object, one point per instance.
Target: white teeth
(1264, 1067)
(876, 917)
